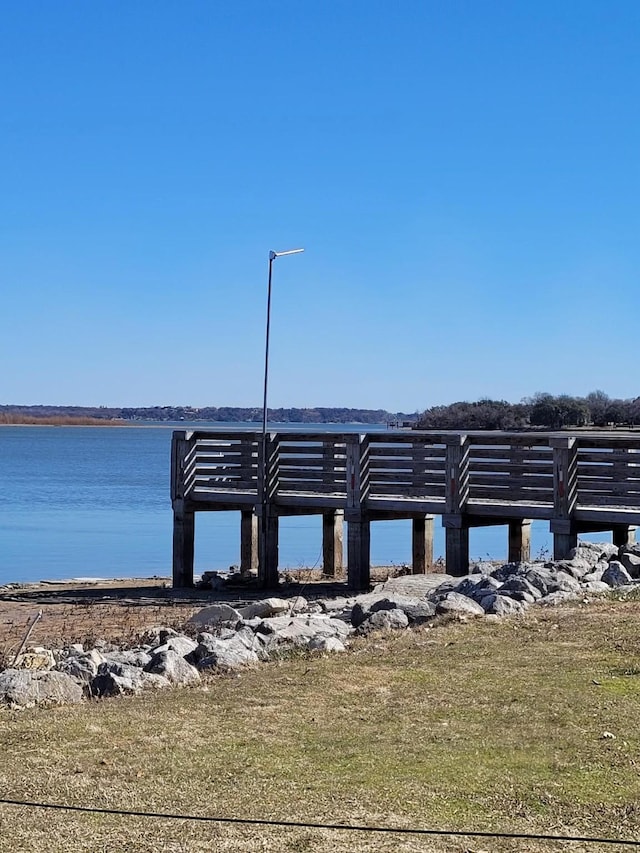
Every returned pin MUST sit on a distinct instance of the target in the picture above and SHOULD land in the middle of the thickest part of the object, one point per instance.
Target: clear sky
(463, 174)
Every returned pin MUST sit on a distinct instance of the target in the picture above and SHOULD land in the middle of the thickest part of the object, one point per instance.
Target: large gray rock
(633, 548)
(107, 684)
(214, 615)
(299, 604)
(384, 620)
(509, 570)
(616, 575)
(130, 657)
(592, 552)
(418, 610)
(226, 654)
(326, 644)
(576, 567)
(174, 667)
(297, 631)
(22, 688)
(477, 586)
(566, 583)
(265, 608)
(361, 608)
(547, 581)
(82, 668)
(631, 561)
(502, 605)
(520, 589)
(596, 575)
(182, 645)
(454, 602)
(610, 551)
(415, 586)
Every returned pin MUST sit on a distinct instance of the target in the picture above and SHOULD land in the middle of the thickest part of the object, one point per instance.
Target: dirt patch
(120, 610)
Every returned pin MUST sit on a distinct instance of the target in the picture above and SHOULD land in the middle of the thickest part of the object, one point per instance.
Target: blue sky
(464, 177)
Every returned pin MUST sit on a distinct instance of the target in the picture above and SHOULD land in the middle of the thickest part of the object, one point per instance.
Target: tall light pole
(265, 485)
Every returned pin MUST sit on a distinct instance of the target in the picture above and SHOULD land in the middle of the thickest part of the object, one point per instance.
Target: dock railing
(578, 482)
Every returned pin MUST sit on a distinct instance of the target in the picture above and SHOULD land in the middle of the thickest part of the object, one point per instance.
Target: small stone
(553, 599)
(40, 659)
(596, 587)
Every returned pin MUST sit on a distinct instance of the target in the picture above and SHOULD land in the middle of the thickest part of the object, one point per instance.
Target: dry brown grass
(89, 622)
(481, 725)
(19, 419)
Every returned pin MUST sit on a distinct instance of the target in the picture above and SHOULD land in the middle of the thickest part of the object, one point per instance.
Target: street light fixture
(265, 485)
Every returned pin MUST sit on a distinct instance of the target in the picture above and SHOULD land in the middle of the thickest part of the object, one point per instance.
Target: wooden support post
(182, 452)
(358, 522)
(248, 541)
(268, 475)
(183, 545)
(520, 540)
(624, 534)
(422, 544)
(456, 496)
(565, 495)
(332, 543)
(268, 538)
(563, 543)
(358, 551)
(457, 550)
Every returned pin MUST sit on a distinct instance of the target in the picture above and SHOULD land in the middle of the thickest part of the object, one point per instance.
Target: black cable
(313, 825)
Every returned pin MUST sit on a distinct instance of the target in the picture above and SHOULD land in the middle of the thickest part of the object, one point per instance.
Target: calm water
(94, 501)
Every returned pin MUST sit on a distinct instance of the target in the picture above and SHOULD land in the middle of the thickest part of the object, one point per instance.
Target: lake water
(94, 501)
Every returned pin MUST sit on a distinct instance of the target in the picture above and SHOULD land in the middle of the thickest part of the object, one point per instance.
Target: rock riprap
(227, 638)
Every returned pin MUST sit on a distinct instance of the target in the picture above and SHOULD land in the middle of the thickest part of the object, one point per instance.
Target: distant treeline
(231, 414)
(540, 411)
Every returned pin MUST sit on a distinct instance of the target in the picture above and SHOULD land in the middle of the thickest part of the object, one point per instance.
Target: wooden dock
(581, 482)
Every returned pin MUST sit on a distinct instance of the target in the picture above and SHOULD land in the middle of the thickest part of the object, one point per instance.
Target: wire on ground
(301, 824)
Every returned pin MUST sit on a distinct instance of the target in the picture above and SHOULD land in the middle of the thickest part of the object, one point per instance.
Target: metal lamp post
(265, 484)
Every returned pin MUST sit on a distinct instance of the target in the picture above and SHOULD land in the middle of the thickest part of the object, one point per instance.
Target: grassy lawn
(486, 725)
